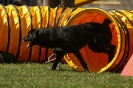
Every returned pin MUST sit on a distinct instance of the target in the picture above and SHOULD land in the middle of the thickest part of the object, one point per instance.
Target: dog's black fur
(70, 39)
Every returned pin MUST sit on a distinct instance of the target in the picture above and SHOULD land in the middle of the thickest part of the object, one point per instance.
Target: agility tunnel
(16, 21)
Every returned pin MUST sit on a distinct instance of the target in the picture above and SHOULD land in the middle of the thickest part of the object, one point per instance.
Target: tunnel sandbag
(98, 62)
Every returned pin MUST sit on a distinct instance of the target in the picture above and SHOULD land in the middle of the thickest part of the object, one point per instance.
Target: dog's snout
(23, 39)
(26, 39)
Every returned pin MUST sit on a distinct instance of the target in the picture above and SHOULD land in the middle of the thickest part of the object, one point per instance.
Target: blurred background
(111, 4)
(104, 4)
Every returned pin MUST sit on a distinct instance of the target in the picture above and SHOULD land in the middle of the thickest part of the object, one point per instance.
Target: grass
(34, 75)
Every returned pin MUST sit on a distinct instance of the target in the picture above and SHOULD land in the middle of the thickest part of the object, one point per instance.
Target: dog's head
(32, 37)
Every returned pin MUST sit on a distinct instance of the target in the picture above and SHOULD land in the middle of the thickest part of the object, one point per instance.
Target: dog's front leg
(59, 56)
(81, 60)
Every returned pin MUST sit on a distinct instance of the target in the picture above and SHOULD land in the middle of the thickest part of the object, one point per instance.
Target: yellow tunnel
(17, 21)
(122, 31)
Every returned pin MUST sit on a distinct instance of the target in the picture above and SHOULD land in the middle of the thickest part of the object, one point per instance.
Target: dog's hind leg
(81, 60)
(59, 56)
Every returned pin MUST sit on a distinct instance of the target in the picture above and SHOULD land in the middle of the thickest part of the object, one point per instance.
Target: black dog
(70, 39)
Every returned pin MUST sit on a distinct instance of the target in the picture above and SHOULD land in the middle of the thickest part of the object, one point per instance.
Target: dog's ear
(34, 33)
(37, 33)
(31, 31)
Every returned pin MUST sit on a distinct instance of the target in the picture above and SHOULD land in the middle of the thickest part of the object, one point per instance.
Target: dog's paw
(52, 69)
(86, 70)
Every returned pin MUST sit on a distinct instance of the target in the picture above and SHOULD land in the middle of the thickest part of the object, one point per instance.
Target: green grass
(34, 75)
